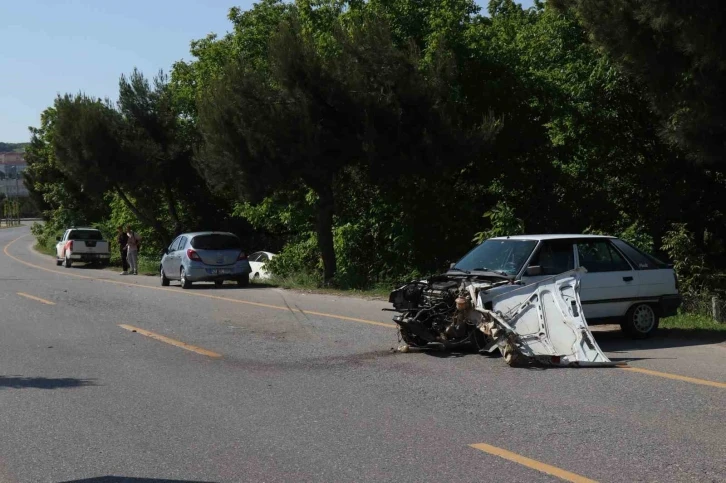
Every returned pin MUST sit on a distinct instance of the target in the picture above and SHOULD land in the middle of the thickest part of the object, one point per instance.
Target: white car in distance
(257, 263)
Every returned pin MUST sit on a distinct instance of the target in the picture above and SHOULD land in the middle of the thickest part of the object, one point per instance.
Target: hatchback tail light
(242, 256)
(193, 255)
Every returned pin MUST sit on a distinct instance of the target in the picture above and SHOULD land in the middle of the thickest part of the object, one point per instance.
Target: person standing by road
(132, 250)
(122, 238)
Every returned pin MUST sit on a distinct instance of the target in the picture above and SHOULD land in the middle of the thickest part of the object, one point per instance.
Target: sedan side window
(555, 257)
(600, 256)
(254, 257)
(263, 258)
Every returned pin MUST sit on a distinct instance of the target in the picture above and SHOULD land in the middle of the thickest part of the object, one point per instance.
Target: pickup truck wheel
(58, 262)
(641, 321)
(68, 262)
(164, 280)
(185, 283)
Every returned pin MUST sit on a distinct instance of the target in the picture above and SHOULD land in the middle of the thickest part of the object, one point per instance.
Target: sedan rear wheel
(641, 321)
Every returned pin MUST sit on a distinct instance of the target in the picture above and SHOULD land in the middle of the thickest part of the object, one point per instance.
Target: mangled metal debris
(538, 323)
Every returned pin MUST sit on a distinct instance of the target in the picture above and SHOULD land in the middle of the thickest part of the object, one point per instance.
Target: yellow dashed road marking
(168, 340)
(533, 464)
(37, 299)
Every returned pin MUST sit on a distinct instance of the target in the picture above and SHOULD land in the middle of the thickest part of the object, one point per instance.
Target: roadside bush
(689, 260)
(503, 222)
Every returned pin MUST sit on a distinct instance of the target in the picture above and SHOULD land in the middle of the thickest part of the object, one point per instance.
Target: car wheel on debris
(185, 283)
(641, 321)
(164, 280)
(243, 281)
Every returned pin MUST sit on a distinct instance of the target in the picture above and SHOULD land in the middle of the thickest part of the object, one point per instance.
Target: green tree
(676, 49)
(368, 105)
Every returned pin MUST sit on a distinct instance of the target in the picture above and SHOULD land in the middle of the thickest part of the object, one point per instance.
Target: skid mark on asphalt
(37, 299)
(533, 464)
(169, 340)
(193, 294)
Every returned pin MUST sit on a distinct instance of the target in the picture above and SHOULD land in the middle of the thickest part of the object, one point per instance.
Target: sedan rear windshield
(85, 235)
(216, 242)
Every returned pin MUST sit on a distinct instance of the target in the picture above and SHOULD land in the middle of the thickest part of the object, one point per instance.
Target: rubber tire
(164, 280)
(68, 262)
(218, 283)
(244, 281)
(185, 283)
(58, 262)
(629, 327)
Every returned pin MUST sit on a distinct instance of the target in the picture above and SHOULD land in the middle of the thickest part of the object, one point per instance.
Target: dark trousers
(124, 263)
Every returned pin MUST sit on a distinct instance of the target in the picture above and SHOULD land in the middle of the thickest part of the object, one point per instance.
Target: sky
(51, 47)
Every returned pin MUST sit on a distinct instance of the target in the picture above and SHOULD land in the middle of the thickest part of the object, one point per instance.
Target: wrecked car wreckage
(539, 323)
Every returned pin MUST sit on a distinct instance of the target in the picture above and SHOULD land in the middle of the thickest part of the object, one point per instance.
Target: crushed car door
(544, 322)
(610, 285)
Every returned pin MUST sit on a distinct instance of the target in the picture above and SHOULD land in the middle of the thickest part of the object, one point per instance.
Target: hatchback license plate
(219, 271)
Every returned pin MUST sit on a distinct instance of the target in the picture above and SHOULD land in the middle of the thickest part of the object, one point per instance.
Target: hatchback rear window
(216, 242)
(85, 235)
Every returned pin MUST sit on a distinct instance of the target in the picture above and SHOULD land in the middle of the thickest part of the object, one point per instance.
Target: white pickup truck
(82, 245)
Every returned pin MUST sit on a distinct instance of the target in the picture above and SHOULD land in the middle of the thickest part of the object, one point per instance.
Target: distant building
(11, 181)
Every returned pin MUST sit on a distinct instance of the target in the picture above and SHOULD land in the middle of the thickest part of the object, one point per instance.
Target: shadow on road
(616, 341)
(21, 382)
(124, 479)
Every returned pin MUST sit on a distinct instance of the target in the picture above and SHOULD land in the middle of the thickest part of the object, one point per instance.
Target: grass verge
(306, 283)
(693, 322)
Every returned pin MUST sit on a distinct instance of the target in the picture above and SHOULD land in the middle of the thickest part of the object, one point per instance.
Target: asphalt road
(299, 387)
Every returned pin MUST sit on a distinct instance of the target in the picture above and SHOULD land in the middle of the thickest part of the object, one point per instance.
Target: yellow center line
(676, 377)
(168, 340)
(193, 294)
(37, 299)
(533, 464)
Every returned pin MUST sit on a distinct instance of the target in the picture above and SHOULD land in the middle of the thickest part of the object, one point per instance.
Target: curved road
(110, 378)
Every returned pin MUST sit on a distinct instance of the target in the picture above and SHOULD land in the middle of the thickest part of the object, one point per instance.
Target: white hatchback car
(622, 284)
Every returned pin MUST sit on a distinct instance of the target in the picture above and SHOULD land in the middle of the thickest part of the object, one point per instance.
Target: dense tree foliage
(369, 141)
(677, 50)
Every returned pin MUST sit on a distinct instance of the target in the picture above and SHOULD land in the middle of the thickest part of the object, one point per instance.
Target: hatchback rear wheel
(185, 283)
